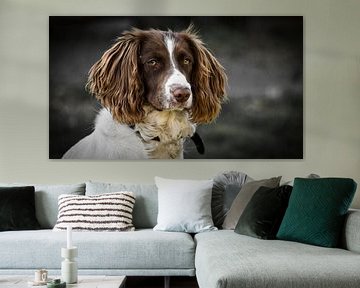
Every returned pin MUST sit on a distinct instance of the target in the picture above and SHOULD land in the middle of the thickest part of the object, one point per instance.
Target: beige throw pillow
(243, 198)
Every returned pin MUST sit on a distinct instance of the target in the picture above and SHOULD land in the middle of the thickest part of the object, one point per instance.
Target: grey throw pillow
(226, 187)
(242, 199)
(310, 176)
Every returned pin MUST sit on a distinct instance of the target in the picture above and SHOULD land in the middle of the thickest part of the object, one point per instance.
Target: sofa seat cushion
(142, 249)
(226, 259)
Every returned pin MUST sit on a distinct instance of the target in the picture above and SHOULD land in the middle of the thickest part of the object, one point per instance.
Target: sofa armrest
(351, 234)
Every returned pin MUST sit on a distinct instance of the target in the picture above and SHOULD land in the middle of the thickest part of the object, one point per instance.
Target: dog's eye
(152, 62)
(187, 61)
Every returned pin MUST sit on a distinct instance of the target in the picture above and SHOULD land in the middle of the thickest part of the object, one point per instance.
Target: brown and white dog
(155, 86)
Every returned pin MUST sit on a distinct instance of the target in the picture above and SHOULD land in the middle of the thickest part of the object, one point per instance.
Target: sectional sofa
(218, 259)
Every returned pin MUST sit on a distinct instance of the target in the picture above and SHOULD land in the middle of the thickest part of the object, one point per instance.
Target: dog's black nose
(181, 94)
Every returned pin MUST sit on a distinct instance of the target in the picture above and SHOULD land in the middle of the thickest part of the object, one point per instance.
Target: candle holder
(69, 271)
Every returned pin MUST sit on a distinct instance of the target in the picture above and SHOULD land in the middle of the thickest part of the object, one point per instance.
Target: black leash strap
(198, 143)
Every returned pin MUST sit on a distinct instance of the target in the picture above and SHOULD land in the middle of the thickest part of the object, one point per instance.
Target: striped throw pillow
(105, 212)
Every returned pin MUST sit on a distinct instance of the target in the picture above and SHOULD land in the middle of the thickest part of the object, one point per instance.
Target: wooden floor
(158, 282)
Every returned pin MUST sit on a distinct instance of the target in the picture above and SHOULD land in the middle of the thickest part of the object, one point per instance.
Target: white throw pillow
(184, 205)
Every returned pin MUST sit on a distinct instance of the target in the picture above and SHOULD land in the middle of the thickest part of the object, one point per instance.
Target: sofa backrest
(146, 203)
(350, 239)
(46, 200)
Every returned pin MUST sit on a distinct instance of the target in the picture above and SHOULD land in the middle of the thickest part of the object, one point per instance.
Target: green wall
(331, 92)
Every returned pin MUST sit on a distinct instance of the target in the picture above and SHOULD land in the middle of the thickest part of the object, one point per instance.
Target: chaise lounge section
(226, 259)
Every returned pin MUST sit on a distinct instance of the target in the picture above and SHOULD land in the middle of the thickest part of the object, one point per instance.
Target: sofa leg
(167, 282)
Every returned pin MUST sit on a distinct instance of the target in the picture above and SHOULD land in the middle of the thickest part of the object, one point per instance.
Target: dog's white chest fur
(161, 135)
(164, 132)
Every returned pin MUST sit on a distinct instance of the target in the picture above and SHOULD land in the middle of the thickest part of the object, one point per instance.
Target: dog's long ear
(115, 80)
(208, 81)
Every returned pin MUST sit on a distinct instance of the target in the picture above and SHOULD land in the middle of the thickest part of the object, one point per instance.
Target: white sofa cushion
(184, 205)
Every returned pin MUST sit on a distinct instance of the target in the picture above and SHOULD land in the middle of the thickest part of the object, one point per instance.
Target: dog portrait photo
(175, 87)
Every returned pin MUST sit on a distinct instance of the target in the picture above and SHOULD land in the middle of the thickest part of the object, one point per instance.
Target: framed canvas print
(175, 87)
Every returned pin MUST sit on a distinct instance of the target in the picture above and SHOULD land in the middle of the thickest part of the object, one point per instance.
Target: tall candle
(69, 237)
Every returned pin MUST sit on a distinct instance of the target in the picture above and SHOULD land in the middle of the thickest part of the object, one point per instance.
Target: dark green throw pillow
(17, 208)
(264, 213)
(316, 211)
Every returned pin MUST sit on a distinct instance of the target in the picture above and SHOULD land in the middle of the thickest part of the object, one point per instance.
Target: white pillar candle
(69, 237)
